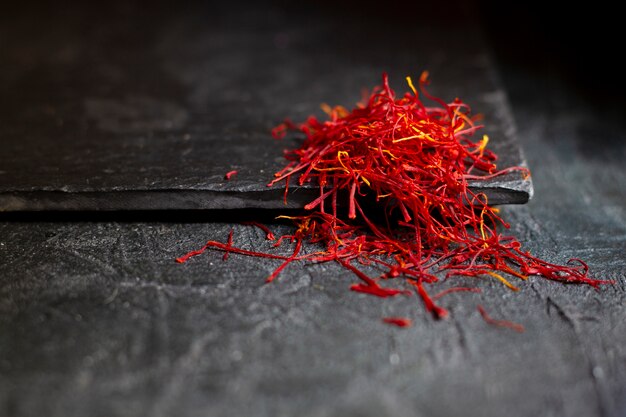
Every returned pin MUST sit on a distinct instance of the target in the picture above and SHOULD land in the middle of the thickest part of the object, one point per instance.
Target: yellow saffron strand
(410, 83)
(344, 154)
(503, 280)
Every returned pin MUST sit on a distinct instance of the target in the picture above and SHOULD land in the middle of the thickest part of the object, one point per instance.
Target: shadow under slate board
(133, 109)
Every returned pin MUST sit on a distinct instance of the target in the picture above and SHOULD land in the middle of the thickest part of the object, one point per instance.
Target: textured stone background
(96, 318)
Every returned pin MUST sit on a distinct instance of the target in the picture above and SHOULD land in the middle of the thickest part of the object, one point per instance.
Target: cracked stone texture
(96, 319)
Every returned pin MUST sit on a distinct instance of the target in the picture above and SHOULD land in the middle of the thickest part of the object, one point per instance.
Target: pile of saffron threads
(414, 160)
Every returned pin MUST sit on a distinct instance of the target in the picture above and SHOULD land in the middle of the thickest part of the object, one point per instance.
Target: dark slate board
(124, 107)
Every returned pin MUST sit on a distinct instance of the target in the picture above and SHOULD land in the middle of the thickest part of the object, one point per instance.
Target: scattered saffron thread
(455, 289)
(398, 321)
(230, 174)
(229, 244)
(268, 233)
(226, 248)
(393, 177)
(438, 312)
(501, 323)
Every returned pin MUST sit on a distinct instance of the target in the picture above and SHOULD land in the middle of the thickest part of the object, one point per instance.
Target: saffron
(229, 244)
(230, 174)
(502, 323)
(268, 233)
(398, 321)
(455, 289)
(414, 159)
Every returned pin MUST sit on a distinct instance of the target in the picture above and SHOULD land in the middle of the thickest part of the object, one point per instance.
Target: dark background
(97, 319)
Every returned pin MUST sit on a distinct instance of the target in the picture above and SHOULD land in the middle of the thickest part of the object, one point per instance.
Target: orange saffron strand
(501, 323)
(398, 321)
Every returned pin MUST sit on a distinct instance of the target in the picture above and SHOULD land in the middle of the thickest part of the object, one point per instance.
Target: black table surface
(96, 318)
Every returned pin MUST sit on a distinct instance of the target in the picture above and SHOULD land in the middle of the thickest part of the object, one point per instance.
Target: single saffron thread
(501, 323)
(269, 235)
(398, 321)
(230, 174)
(226, 248)
(229, 244)
(454, 290)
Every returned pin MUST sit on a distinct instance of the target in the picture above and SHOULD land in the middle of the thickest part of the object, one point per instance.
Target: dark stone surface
(96, 319)
(127, 107)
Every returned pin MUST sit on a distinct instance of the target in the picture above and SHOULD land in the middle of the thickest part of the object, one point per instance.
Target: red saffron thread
(289, 260)
(398, 321)
(438, 312)
(229, 244)
(230, 174)
(501, 323)
(414, 159)
(226, 248)
(268, 233)
(370, 286)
